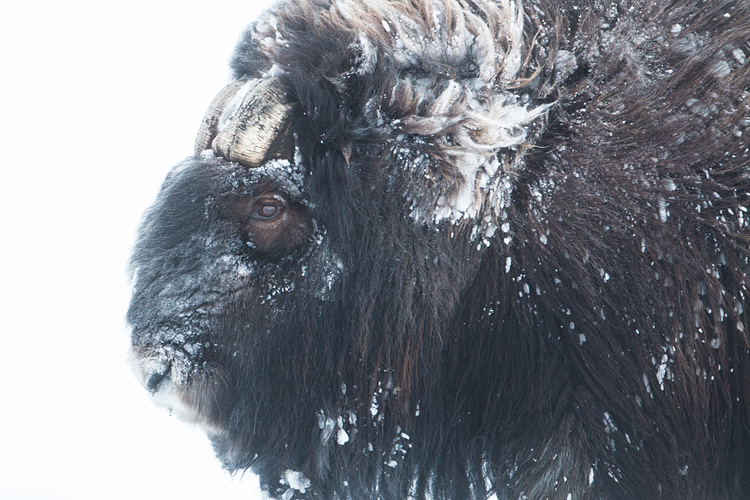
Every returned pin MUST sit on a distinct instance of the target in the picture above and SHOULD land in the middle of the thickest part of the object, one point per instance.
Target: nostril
(156, 378)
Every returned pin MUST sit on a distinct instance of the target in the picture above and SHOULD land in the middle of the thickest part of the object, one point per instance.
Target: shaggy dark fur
(595, 347)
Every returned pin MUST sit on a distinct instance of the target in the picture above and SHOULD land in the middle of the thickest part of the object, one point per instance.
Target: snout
(166, 383)
(151, 372)
(155, 379)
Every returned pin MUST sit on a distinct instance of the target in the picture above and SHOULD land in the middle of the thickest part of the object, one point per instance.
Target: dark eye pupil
(268, 211)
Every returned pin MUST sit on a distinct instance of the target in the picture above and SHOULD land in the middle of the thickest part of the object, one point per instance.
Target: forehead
(210, 175)
(275, 175)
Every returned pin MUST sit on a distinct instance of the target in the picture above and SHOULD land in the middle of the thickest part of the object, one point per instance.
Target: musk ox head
(464, 249)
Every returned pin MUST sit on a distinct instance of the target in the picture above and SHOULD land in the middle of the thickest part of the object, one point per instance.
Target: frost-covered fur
(509, 260)
(453, 73)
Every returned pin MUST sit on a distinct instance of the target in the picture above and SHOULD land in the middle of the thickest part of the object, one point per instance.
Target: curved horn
(253, 125)
(210, 124)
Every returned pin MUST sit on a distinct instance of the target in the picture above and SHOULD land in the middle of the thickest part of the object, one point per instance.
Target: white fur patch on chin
(168, 397)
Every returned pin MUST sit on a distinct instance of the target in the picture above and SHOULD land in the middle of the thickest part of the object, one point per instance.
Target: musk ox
(464, 249)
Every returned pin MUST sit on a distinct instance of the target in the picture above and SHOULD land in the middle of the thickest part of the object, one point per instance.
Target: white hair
(473, 117)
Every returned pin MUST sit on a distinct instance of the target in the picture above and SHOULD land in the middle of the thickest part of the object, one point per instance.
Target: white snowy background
(97, 101)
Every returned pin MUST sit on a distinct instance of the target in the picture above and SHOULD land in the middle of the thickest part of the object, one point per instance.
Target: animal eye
(266, 211)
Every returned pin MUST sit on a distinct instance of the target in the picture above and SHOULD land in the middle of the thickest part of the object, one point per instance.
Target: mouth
(167, 383)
